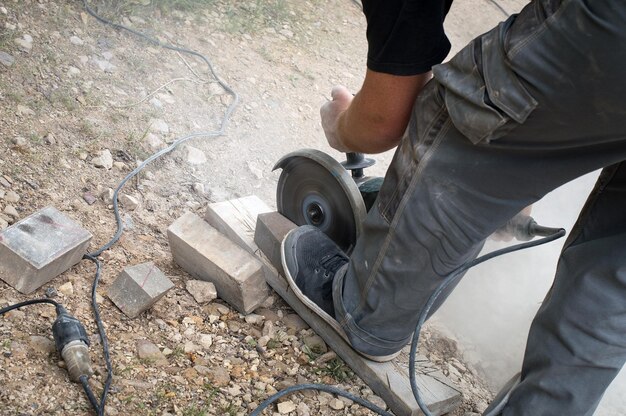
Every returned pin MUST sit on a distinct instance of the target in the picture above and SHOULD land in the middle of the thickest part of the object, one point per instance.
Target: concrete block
(271, 229)
(40, 247)
(236, 219)
(139, 287)
(209, 255)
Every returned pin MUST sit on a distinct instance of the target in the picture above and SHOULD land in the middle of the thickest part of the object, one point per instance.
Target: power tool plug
(524, 228)
(72, 343)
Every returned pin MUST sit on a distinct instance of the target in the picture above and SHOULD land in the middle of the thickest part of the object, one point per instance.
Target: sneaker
(311, 261)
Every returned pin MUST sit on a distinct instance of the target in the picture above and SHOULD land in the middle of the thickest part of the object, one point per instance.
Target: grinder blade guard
(315, 189)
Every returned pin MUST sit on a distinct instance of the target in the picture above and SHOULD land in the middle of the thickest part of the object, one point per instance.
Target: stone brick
(139, 287)
(236, 219)
(40, 247)
(207, 254)
(271, 229)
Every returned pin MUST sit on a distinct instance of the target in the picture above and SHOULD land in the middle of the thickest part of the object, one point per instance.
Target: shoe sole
(321, 313)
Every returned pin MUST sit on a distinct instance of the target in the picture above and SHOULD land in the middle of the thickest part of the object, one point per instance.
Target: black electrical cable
(444, 284)
(321, 387)
(556, 233)
(537, 229)
(28, 302)
(92, 397)
(175, 144)
(100, 407)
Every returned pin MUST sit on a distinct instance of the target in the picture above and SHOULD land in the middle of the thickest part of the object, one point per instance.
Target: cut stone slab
(236, 219)
(209, 255)
(40, 247)
(139, 287)
(271, 229)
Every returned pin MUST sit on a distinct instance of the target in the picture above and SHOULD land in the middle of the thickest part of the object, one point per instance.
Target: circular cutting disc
(315, 189)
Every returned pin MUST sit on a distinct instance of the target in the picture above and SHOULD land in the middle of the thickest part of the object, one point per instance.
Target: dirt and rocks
(81, 104)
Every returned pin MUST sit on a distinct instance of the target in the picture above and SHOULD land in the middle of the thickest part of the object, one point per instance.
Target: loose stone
(6, 59)
(286, 407)
(193, 156)
(67, 289)
(11, 211)
(336, 404)
(201, 291)
(103, 160)
(89, 198)
(12, 197)
(20, 142)
(25, 43)
(158, 126)
(75, 40)
(24, 111)
(50, 139)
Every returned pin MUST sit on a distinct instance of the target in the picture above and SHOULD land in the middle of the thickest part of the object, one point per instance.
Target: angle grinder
(316, 189)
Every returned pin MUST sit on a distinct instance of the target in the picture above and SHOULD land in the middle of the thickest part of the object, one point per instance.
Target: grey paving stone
(207, 254)
(40, 247)
(139, 287)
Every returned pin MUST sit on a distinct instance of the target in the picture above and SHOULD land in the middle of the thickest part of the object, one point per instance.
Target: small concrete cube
(40, 247)
(207, 254)
(271, 229)
(139, 287)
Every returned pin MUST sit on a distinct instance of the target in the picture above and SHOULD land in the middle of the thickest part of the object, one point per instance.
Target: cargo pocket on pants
(484, 97)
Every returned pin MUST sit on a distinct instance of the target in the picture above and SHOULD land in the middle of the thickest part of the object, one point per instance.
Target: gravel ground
(81, 105)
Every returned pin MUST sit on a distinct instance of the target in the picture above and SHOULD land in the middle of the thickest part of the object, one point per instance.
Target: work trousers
(536, 102)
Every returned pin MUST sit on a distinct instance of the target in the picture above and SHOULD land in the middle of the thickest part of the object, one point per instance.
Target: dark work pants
(536, 102)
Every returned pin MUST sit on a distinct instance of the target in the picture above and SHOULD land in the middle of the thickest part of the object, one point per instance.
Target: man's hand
(375, 119)
(330, 113)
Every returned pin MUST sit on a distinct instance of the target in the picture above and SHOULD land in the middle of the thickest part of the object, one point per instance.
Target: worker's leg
(577, 341)
(525, 108)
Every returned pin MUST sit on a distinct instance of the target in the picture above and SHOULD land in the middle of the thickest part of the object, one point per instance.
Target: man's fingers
(339, 92)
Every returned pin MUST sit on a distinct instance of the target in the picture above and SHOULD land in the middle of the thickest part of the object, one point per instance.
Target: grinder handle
(356, 162)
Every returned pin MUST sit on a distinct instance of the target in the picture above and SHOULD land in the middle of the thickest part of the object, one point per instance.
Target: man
(530, 105)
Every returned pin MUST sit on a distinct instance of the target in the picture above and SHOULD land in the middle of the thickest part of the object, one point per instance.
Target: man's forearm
(379, 113)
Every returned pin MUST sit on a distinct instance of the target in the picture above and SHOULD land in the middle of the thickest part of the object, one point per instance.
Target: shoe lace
(332, 263)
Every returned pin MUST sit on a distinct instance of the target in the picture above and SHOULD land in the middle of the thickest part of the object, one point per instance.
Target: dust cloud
(490, 311)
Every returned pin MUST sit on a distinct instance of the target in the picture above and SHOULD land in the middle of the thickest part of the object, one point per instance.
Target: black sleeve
(405, 37)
